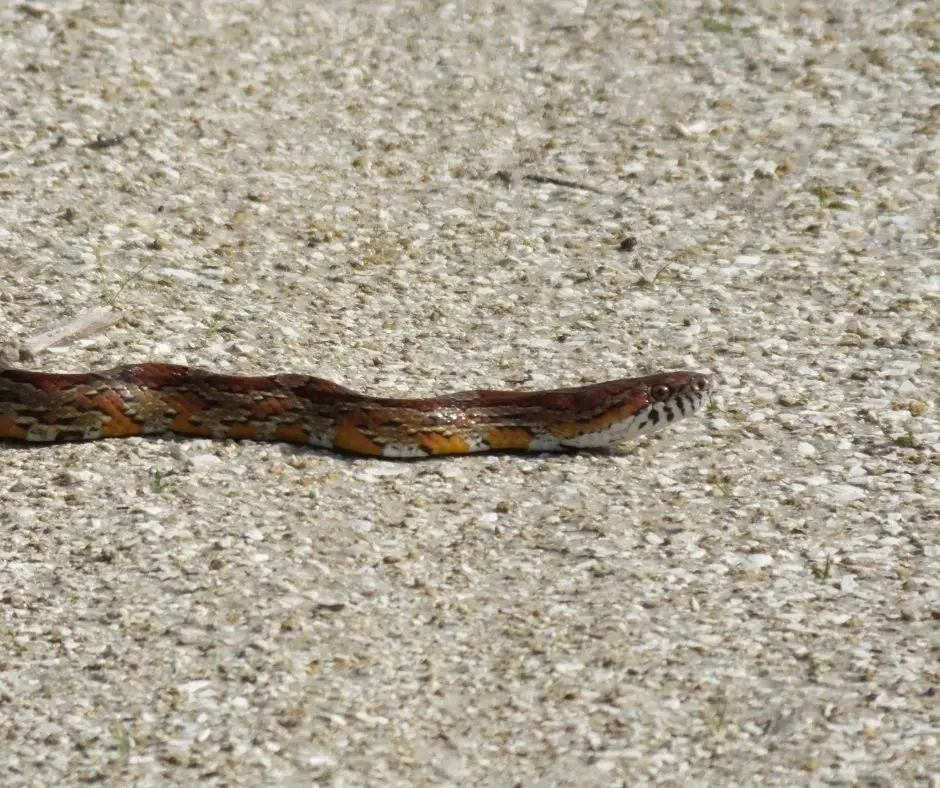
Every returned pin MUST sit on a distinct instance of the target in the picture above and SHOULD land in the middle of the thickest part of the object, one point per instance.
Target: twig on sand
(562, 182)
(79, 326)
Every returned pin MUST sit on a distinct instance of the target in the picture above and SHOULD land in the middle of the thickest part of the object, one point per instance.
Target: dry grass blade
(80, 326)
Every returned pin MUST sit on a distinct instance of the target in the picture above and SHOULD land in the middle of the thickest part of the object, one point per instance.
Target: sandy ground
(360, 193)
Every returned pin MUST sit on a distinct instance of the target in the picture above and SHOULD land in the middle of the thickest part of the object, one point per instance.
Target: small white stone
(373, 472)
(856, 473)
(695, 129)
(756, 560)
(157, 155)
(192, 687)
(569, 667)
(842, 493)
(204, 461)
(805, 449)
(179, 273)
(364, 526)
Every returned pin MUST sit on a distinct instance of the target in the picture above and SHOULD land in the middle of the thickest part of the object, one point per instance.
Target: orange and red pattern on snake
(151, 398)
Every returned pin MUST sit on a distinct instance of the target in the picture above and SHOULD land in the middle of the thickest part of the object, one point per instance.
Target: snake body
(150, 398)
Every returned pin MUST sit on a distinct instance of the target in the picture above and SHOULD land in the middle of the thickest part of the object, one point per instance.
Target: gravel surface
(417, 197)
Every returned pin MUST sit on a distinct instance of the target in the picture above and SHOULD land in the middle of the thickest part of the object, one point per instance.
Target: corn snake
(151, 398)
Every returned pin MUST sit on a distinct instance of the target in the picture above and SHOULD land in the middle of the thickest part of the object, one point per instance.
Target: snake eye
(660, 392)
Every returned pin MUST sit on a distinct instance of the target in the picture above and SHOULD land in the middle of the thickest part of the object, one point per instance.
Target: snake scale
(152, 398)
